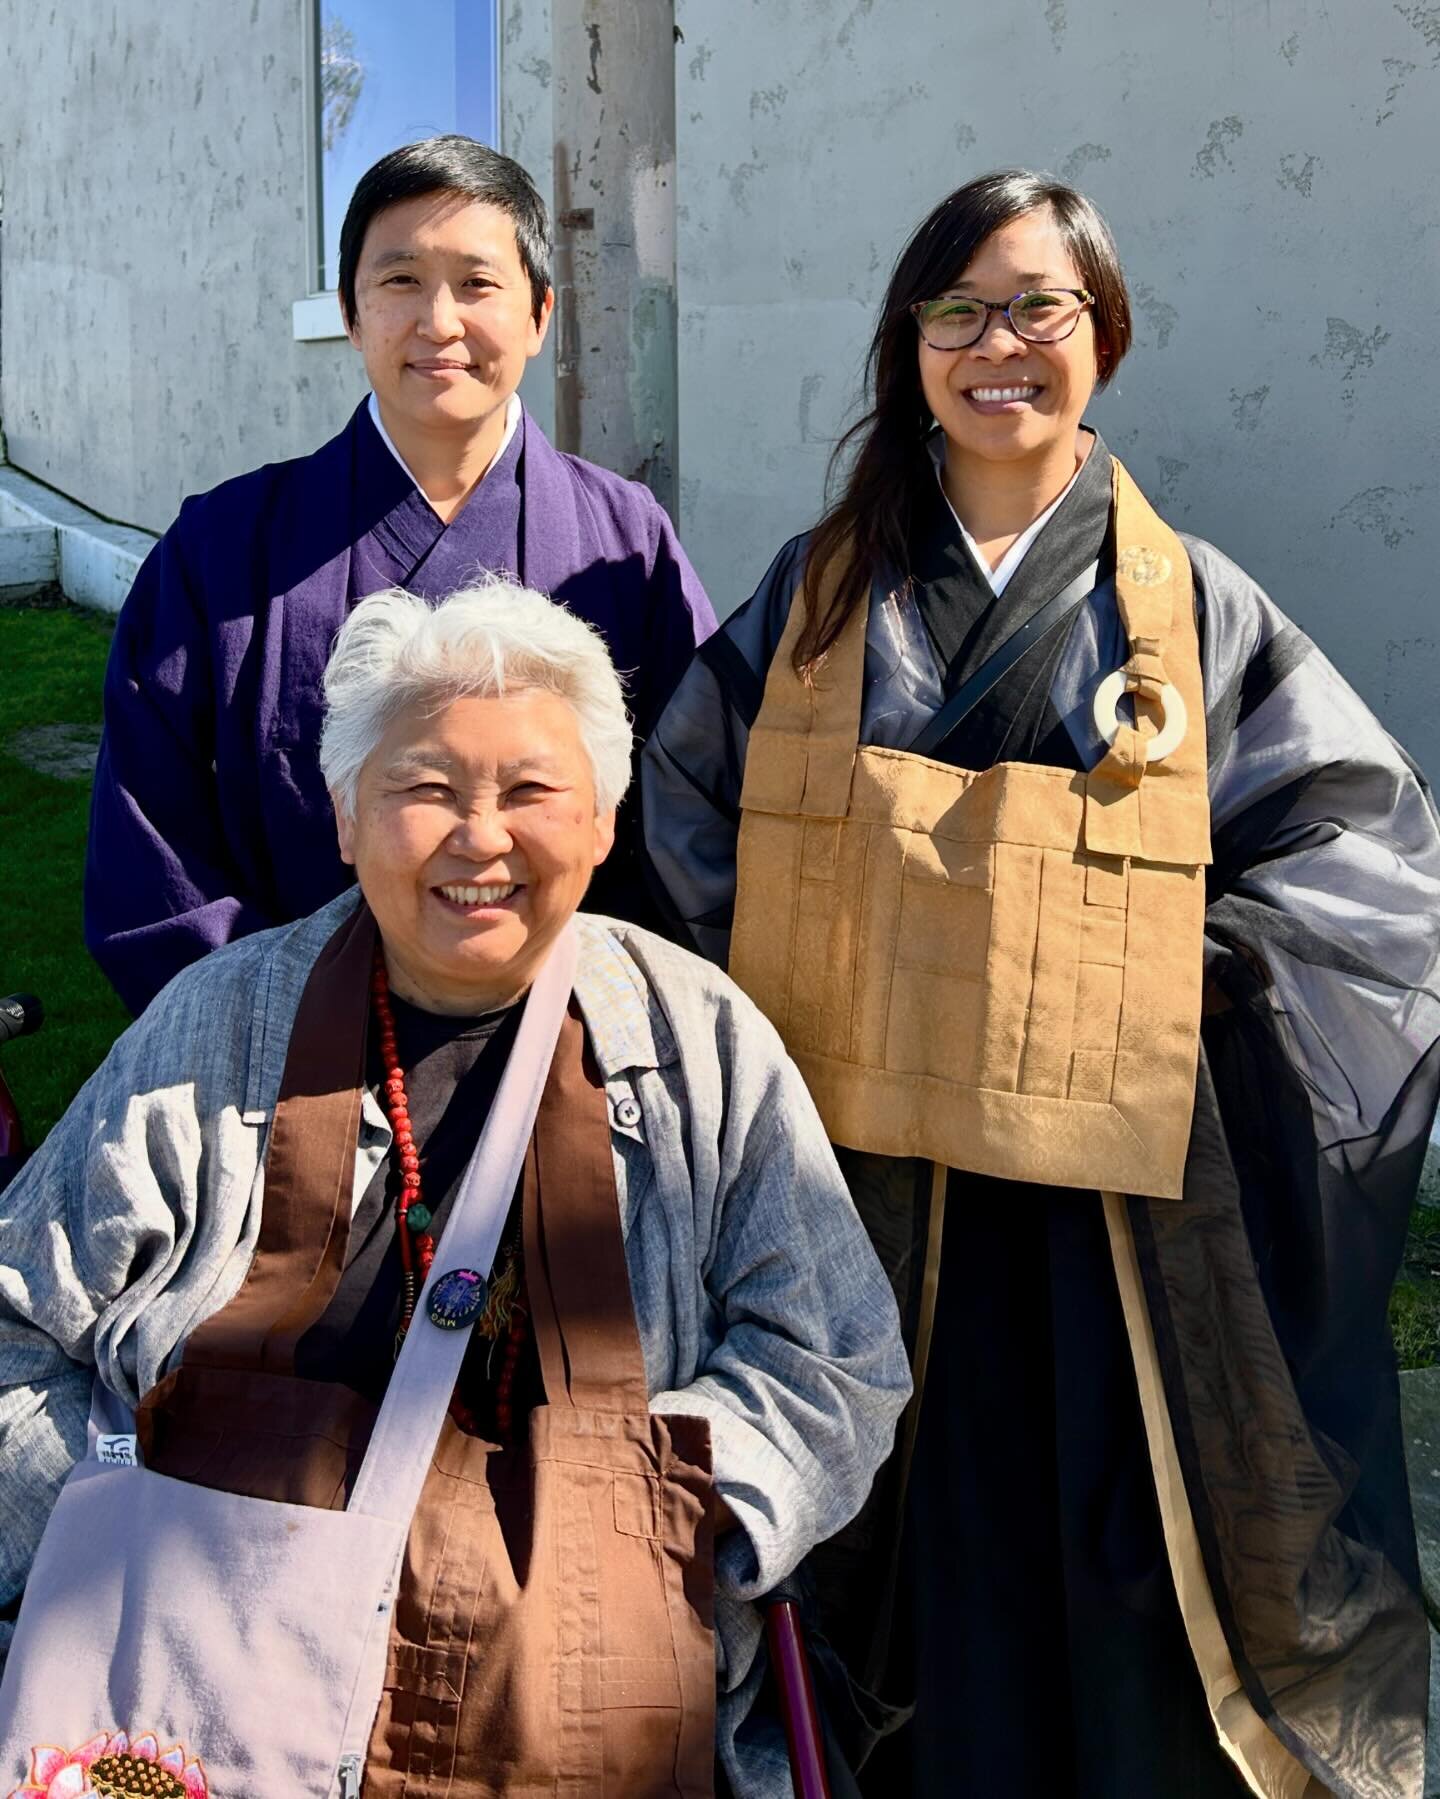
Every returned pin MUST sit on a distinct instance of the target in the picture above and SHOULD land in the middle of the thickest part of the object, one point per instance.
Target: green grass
(1415, 1303)
(52, 664)
(1415, 1322)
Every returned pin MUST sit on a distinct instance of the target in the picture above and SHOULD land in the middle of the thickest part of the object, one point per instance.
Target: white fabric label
(117, 1451)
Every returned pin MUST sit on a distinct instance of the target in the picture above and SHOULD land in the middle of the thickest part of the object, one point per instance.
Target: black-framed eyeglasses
(1043, 317)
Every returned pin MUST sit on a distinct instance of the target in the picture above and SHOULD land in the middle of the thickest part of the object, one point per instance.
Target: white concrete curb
(97, 561)
(28, 558)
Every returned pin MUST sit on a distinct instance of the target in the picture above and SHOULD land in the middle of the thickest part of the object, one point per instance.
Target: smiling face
(1003, 399)
(474, 837)
(444, 314)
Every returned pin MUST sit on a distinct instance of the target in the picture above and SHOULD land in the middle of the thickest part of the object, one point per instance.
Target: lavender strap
(418, 1396)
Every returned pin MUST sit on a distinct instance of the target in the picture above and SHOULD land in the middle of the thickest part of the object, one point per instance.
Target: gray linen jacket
(760, 1303)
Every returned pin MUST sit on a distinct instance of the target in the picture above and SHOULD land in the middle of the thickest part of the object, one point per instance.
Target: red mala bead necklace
(505, 1310)
(412, 1215)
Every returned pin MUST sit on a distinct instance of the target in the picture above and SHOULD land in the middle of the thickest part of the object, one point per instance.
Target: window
(388, 73)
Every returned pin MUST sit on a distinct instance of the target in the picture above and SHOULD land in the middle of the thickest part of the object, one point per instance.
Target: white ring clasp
(1175, 721)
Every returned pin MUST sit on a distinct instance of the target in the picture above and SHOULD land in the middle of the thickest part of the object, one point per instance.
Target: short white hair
(397, 651)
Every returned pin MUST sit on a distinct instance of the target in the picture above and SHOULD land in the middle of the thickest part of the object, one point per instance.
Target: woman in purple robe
(210, 817)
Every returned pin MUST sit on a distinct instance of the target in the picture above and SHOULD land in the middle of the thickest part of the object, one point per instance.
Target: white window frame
(314, 318)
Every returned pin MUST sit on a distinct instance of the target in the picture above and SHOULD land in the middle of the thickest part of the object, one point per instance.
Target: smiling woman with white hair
(424, 815)
(462, 1291)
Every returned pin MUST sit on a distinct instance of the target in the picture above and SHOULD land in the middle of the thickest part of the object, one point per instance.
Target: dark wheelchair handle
(804, 1737)
(21, 1015)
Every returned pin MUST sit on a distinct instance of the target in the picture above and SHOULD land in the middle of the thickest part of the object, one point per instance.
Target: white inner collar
(999, 577)
(512, 424)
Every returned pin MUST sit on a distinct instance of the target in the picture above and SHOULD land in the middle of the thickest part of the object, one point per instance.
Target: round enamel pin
(456, 1299)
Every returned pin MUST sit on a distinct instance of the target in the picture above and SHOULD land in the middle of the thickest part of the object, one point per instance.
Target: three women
(1098, 913)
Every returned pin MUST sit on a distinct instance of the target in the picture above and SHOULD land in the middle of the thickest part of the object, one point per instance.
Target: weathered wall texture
(1269, 173)
(614, 102)
(155, 238)
(527, 132)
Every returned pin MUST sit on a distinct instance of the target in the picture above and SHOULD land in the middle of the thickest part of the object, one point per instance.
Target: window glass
(392, 73)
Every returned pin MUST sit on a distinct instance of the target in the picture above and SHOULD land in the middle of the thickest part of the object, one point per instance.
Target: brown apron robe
(996, 970)
(554, 1628)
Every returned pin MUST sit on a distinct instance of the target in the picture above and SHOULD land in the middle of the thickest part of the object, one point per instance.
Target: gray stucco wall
(1269, 172)
(155, 239)
(153, 159)
(527, 132)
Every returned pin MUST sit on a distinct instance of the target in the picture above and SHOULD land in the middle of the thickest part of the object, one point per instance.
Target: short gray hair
(396, 651)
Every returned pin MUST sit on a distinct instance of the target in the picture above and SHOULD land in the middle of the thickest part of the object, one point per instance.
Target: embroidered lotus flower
(116, 1766)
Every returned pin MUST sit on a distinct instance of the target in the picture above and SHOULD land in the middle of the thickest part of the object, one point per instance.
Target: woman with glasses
(1099, 914)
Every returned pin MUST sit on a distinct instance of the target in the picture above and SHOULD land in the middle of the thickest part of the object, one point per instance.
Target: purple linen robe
(210, 819)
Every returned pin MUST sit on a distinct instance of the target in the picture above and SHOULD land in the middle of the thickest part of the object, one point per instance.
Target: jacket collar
(625, 1021)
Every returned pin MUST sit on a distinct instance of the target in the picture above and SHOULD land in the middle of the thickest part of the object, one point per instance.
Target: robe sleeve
(693, 764)
(52, 1292)
(132, 1221)
(161, 888)
(1268, 1285)
(1323, 900)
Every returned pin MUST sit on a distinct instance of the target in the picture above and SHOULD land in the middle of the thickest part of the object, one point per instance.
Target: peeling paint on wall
(1082, 158)
(847, 30)
(1245, 409)
(1399, 72)
(1352, 350)
(1425, 20)
(1171, 469)
(1216, 148)
(1300, 178)
(1378, 510)
(738, 181)
(1158, 314)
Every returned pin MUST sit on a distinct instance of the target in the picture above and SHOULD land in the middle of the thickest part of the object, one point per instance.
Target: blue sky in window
(393, 73)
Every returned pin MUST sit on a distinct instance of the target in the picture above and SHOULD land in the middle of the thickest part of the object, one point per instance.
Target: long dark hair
(868, 527)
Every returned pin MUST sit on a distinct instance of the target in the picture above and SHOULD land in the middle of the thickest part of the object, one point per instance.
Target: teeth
(1002, 393)
(462, 895)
